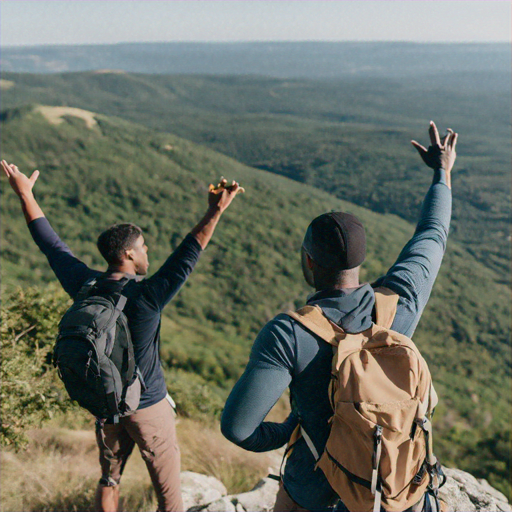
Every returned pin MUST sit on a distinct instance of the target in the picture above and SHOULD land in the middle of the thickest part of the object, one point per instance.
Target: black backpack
(94, 351)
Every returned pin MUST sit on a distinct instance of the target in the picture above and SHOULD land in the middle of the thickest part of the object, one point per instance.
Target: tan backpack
(379, 449)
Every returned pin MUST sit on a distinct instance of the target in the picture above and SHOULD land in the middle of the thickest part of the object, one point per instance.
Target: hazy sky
(33, 22)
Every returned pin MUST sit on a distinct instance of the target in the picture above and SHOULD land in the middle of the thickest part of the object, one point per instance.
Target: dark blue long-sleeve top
(146, 298)
(285, 354)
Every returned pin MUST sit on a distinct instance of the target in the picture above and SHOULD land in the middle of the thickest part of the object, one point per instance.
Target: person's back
(286, 354)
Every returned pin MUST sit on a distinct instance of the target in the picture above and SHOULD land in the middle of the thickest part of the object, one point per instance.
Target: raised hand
(23, 186)
(220, 197)
(20, 183)
(441, 152)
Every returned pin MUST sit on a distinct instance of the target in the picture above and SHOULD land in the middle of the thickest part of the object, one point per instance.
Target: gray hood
(351, 308)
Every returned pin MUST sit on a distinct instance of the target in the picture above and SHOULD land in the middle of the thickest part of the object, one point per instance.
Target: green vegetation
(31, 391)
(348, 136)
(116, 171)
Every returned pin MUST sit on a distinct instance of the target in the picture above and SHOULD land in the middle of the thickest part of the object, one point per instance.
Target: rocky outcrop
(462, 493)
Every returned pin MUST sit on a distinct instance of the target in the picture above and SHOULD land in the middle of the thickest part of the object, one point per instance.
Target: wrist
(26, 196)
(441, 175)
(213, 212)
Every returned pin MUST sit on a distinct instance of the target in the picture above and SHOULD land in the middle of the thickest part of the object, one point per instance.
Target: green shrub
(31, 391)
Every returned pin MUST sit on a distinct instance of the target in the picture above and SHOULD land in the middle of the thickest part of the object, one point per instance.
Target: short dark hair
(117, 239)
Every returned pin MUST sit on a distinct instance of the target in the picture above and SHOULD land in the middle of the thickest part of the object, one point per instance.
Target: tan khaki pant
(285, 504)
(153, 430)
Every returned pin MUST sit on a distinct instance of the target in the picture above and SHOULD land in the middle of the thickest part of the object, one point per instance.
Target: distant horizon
(323, 41)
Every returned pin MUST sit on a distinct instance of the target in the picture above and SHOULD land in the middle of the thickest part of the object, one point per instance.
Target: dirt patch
(107, 71)
(6, 84)
(54, 114)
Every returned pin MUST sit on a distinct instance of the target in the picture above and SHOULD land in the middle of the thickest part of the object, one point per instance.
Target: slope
(116, 171)
(349, 136)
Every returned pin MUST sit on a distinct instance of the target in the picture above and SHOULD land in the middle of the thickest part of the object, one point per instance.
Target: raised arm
(413, 274)
(166, 282)
(70, 271)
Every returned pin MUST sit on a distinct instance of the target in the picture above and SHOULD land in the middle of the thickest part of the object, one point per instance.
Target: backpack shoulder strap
(312, 318)
(386, 302)
(86, 288)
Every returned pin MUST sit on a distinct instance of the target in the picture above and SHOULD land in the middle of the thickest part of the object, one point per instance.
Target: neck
(336, 280)
(122, 268)
(345, 286)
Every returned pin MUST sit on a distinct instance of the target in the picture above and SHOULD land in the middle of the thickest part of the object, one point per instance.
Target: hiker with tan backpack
(359, 437)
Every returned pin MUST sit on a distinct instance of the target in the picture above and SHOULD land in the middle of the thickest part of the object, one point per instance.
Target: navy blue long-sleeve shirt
(146, 298)
(285, 354)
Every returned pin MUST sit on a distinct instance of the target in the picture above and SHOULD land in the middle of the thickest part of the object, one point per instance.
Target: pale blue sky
(34, 22)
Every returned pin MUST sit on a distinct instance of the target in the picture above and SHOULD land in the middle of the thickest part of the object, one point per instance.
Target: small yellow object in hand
(222, 185)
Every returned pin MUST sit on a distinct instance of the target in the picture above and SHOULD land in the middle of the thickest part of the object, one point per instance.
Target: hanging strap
(437, 477)
(377, 452)
(294, 438)
(310, 444)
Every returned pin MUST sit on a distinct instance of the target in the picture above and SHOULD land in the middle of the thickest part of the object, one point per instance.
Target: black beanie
(336, 240)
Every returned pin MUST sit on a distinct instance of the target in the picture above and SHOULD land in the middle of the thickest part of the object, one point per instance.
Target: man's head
(332, 251)
(122, 246)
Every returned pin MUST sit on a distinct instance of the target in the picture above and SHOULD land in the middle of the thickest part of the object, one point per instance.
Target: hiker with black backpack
(107, 349)
(359, 434)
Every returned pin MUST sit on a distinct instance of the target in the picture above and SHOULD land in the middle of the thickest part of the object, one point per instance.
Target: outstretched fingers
(422, 150)
(445, 141)
(453, 140)
(34, 176)
(434, 134)
(5, 167)
(9, 169)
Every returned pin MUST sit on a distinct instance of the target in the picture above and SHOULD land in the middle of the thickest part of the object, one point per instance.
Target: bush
(31, 390)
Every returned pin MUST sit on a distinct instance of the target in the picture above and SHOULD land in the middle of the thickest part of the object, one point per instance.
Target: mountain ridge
(281, 59)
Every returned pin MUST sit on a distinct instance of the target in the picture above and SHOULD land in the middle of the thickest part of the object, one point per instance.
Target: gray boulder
(464, 493)
(225, 504)
(261, 498)
(199, 490)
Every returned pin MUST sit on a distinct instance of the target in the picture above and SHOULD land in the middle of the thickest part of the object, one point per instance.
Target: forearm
(413, 274)
(30, 207)
(166, 282)
(436, 210)
(270, 436)
(204, 230)
(248, 404)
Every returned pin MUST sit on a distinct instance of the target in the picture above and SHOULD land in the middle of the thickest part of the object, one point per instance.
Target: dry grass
(205, 450)
(54, 114)
(59, 473)
(59, 470)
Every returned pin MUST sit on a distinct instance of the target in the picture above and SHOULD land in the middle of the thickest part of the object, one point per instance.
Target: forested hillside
(115, 171)
(349, 137)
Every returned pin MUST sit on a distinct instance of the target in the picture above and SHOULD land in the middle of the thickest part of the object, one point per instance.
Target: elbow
(231, 431)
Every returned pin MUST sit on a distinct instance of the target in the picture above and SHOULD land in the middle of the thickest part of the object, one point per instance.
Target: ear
(309, 261)
(128, 254)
